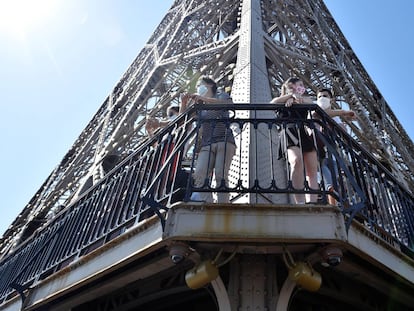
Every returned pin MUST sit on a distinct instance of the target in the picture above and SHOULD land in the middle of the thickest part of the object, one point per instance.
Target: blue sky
(60, 59)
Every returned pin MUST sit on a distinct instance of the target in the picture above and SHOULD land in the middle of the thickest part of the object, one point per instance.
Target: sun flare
(18, 18)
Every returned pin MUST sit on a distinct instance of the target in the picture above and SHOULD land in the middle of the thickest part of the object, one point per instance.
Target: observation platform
(135, 240)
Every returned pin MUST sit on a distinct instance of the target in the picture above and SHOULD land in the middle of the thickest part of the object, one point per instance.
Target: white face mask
(172, 117)
(202, 90)
(324, 102)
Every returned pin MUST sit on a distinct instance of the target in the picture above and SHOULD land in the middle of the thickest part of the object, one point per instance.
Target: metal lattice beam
(203, 37)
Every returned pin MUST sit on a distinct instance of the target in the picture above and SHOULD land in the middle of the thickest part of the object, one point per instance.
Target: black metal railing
(159, 174)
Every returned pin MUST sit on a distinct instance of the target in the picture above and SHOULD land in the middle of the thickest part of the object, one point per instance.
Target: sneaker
(196, 197)
(331, 198)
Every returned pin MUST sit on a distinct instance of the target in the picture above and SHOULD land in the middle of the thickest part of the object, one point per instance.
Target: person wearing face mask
(178, 180)
(324, 98)
(328, 164)
(172, 112)
(296, 143)
(217, 145)
(153, 124)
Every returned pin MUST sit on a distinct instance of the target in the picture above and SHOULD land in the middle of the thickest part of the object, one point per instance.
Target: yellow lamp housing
(305, 277)
(201, 274)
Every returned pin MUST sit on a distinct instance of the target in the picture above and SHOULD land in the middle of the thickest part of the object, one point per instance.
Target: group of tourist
(297, 142)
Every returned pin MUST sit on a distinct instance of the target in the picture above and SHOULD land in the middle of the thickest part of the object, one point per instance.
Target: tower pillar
(251, 86)
(253, 283)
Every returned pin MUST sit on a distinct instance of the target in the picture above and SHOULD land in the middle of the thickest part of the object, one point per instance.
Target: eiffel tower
(250, 47)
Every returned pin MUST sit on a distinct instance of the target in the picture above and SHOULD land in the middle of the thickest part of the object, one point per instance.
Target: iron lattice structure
(248, 53)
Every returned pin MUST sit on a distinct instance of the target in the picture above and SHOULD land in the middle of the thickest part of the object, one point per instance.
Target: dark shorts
(299, 137)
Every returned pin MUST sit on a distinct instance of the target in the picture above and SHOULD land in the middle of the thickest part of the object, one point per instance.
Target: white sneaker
(196, 196)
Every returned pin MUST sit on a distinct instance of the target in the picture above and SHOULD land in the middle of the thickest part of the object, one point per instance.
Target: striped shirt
(213, 130)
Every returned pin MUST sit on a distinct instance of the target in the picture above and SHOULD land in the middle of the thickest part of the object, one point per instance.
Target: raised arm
(348, 114)
(281, 99)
